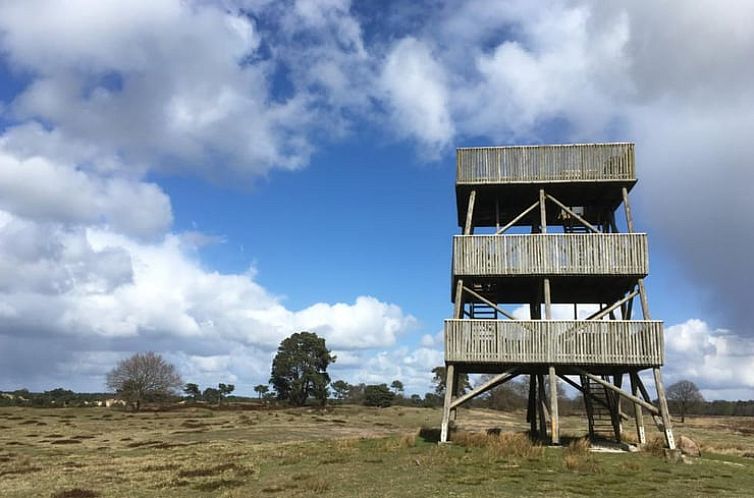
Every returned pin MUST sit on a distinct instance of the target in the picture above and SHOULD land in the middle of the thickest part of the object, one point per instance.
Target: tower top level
(603, 162)
(506, 179)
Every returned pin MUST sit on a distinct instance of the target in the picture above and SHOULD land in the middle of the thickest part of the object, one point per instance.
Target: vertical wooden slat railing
(551, 254)
(545, 163)
(599, 342)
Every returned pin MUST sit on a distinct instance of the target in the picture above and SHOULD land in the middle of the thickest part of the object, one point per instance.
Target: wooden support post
(617, 422)
(531, 409)
(535, 311)
(497, 214)
(455, 395)
(664, 413)
(627, 210)
(588, 405)
(638, 414)
(468, 228)
(542, 212)
(554, 430)
(458, 308)
(449, 376)
(644, 300)
(543, 414)
(613, 224)
(548, 299)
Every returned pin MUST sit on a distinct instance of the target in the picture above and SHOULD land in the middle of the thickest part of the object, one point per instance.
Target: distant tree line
(58, 397)
(212, 395)
(299, 376)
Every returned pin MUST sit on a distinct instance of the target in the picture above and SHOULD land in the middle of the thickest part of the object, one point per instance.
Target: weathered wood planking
(550, 254)
(579, 162)
(555, 342)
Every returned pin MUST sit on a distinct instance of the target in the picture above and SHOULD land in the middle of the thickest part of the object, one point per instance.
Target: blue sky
(204, 178)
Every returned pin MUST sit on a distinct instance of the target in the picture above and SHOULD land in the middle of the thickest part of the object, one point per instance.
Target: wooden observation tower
(546, 233)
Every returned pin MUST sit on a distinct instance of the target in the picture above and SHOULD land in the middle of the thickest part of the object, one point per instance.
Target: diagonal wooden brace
(493, 382)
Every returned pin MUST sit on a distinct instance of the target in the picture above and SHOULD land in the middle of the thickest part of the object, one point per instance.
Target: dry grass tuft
(218, 484)
(209, 471)
(655, 446)
(629, 437)
(159, 468)
(318, 486)
(577, 457)
(580, 446)
(516, 445)
(501, 445)
(244, 419)
(472, 439)
(437, 456)
(408, 440)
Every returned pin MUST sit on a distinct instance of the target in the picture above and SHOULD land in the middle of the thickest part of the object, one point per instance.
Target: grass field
(349, 451)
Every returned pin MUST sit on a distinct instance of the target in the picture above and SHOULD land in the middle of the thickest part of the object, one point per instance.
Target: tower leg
(637, 410)
(666, 425)
(455, 393)
(531, 410)
(617, 422)
(449, 377)
(542, 407)
(588, 406)
(554, 429)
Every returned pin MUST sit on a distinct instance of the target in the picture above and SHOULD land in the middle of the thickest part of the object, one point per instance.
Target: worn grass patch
(76, 493)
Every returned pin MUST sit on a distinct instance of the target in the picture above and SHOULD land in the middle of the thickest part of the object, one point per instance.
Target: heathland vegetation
(248, 449)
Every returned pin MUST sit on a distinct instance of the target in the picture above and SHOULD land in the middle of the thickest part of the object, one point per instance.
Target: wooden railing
(535, 163)
(600, 342)
(551, 254)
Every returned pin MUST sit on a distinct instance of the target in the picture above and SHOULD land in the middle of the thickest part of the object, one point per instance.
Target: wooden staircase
(602, 410)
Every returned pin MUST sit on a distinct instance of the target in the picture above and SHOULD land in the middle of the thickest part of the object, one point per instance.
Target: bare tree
(142, 376)
(684, 394)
